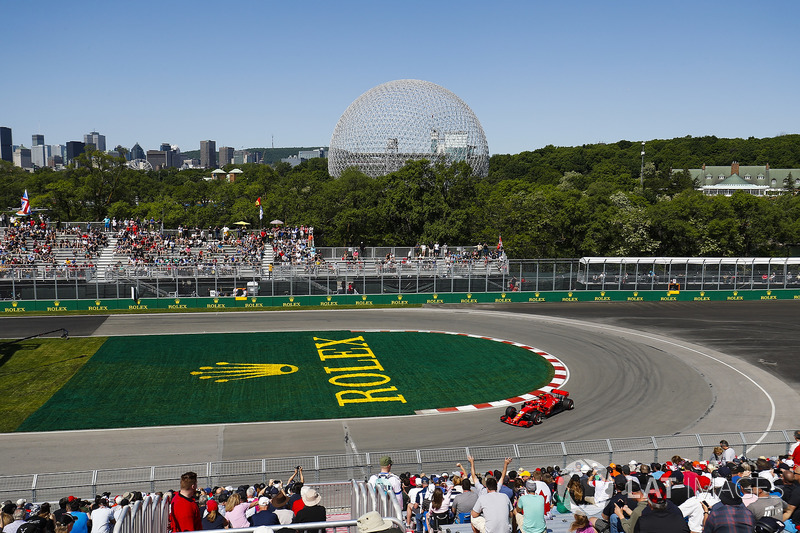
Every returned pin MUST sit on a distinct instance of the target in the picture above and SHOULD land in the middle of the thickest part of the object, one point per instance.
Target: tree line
(551, 202)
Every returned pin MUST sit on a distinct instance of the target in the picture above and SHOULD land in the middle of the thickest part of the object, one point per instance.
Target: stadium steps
(106, 257)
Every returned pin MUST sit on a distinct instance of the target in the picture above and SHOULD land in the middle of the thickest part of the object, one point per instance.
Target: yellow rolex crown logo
(56, 303)
(399, 296)
(291, 299)
(735, 293)
(435, 296)
(602, 293)
(364, 297)
(537, 294)
(702, 293)
(225, 372)
(769, 292)
(502, 295)
(97, 302)
(328, 298)
(469, 295)
(570, 294)
(636, 293)
(253, 300)
(177, 301)
(216, 300)
(13, 304)
(138, 302)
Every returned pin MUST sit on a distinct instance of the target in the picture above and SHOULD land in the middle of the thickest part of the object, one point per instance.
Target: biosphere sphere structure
(407, 119)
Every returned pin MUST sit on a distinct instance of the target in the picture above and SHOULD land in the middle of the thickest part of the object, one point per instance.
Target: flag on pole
(260, 212)
(258, 202)
(25, 210)
(500, 242)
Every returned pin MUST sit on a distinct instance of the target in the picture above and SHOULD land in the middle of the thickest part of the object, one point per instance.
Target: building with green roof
(758, 180)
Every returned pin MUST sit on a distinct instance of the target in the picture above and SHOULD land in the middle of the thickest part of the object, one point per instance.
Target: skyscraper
(6, 152)
(208, 154)
(137, 152)
(225, 155)
(22, 157)
(74, 149)
(37, 139)
(95, 139)
(41, 154)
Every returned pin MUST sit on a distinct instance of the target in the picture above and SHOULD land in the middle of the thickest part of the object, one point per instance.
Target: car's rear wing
(560, 392)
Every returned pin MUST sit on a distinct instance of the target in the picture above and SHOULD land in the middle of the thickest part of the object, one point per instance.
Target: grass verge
(32, 371)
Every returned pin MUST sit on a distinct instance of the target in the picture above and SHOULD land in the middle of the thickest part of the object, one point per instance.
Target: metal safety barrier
(327, 472)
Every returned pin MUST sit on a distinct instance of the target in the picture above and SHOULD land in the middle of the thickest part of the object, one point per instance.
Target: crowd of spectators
(210, 249)
(35, 242)
(261, 504)
(725, 493)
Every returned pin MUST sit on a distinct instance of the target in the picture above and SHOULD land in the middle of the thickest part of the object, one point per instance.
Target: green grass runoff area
(31, 371)
(161, 380)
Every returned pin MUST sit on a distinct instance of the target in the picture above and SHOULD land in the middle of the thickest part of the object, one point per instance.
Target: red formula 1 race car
(533, 411)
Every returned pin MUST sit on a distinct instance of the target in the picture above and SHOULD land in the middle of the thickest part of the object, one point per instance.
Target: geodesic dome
(402, 120)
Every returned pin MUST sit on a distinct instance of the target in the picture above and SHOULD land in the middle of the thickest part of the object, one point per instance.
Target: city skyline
(534, 73)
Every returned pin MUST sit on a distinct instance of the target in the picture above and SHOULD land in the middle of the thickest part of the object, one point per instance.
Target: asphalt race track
(691, 367)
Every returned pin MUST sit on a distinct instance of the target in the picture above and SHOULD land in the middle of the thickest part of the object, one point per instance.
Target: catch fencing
(328, 472)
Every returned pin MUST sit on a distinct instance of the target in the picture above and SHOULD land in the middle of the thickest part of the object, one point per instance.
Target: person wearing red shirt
(185, 515)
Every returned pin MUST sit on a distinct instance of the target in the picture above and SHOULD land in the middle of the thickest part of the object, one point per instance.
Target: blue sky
(535, 73)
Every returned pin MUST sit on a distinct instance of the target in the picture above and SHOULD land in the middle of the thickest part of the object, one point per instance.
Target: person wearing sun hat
(372, 522)
(312, 511)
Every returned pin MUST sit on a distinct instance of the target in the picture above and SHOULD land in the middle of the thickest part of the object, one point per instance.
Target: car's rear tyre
(537, 419)
(511, 411)
(569, 405)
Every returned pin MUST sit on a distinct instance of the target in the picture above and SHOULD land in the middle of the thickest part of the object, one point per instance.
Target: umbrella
(276, 221)
(242, 223)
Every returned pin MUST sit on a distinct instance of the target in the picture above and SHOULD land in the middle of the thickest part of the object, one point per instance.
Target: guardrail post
(94, 483)
(316, 467)
(787, 439)
(152, 479)
(208, 471)
(419, 460)
(744, 445)
(699, 444)
(655, 449)
(610, 451)
(264, 471)
(33, 487)
(564, 450)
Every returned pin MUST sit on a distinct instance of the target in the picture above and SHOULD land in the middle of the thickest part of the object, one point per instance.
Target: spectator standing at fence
(185, 513)
(728, 455)
(388, 480)
(102, 517)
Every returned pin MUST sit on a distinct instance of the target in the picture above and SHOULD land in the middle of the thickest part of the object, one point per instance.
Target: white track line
(607, 327)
